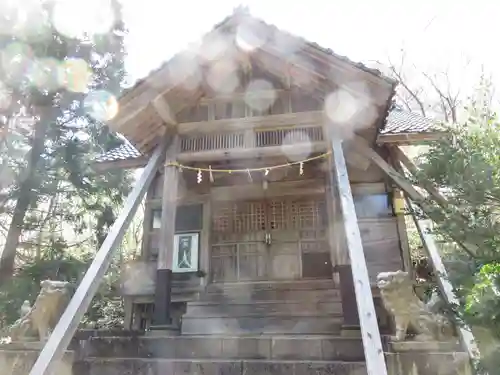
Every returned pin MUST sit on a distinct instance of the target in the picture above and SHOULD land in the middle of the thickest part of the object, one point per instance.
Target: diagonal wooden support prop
(413, 169)
(65, 329)
(364, 149)
(436, 195)
(372, 344)
(466, 337)
(428, 207)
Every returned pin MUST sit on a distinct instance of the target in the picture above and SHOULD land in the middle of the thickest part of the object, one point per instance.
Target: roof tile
(401, 121)
(124, 152)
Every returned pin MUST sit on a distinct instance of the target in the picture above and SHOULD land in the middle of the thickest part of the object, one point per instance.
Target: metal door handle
(268, 239)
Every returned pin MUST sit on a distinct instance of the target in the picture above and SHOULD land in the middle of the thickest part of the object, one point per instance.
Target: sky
(436, 35)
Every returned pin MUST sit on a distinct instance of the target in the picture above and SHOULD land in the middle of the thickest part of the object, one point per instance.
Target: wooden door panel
(286, 266)
(295, 226)
(223, 263)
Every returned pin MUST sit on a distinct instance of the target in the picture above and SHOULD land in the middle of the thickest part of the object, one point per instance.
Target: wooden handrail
(466, 337)
(372, 343)
(59, 340)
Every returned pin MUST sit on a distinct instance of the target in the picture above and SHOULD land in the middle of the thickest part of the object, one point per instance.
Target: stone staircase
(300, 307)
(288, 328)
(264, 354)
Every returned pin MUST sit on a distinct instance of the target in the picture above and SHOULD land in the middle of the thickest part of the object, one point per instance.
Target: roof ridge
(239, 13)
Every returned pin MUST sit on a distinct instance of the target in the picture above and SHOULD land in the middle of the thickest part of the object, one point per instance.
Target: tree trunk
(26, 185)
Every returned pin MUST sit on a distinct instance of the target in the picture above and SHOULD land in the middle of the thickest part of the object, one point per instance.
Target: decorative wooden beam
(374, 355)
(405, 160)
(409, 138)
(302, 119)
(65, 329)
(163, 287)
(362, 147)
(123, 118)
(163, 110)
(466, 337)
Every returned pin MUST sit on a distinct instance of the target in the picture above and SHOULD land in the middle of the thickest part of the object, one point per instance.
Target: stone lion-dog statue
(399, 298)
(43, 316)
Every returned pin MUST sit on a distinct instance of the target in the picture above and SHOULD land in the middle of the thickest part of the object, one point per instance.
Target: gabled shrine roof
(142, 126)
(242, 11)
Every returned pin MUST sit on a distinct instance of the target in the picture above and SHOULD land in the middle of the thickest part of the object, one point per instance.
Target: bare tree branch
(399, 76)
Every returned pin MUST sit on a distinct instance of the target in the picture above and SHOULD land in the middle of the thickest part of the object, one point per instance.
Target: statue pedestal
(17, 358)
(427, 358)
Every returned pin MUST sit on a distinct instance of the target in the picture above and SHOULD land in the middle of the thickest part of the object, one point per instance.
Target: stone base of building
(17, 358)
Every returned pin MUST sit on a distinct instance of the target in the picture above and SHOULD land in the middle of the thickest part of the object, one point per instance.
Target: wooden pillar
(332, 222)
(129, 313)
(348, 297)
(205, 241)
(372, 344)
(163, 288)
(401, 221)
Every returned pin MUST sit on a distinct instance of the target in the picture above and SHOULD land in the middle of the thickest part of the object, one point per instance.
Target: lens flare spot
(76, 75)
(260, 95)
(290, 143)
(183, 69)
(101, 105)
(341, 106)
(16, 59)
(44, 73)
(249, 36)
(5, 96)
(218, 45)
(79, 19)
(29, 20)
(223, 77)
(286, 45)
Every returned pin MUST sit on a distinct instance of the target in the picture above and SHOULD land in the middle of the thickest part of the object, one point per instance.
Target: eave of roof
(401, 126)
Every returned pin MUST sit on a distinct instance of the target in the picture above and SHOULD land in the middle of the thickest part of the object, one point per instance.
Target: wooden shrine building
(274, 197)
(246, 194)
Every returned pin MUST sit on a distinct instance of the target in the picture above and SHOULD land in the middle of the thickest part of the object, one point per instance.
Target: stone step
(259, 308)
(121, 366)
(275, 285)
(250, 294)
(317, 347)
(262, 325)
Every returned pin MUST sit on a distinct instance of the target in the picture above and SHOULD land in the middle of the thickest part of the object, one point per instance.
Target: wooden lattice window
(278, 137)
(207, 142)
(278, 215)
(297, 226)
(239, 217)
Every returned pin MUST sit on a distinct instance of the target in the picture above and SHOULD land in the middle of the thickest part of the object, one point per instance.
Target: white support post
(372, 344)
(65, 329)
